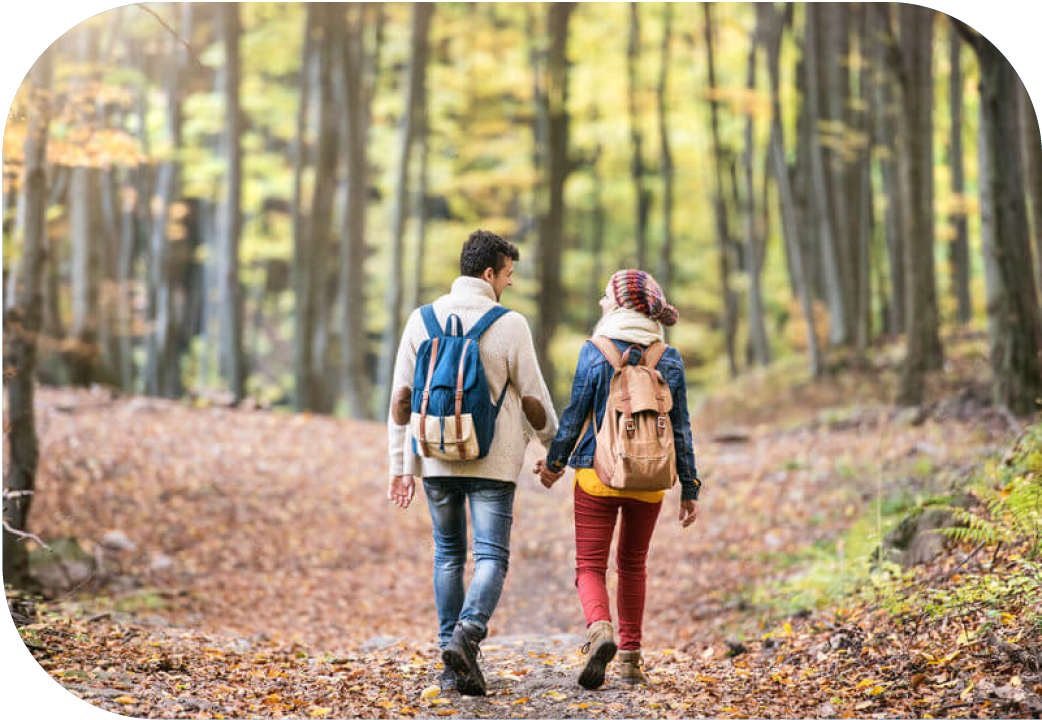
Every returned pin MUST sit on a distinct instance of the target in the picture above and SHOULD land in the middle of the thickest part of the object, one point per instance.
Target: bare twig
(25, 535)
(183, 41)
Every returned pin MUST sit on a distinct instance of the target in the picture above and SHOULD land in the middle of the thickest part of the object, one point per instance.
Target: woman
(634, 311)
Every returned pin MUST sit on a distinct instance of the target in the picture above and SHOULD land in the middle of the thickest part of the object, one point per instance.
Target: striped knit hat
(637, 290)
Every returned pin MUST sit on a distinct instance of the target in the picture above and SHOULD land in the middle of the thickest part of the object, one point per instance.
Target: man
(509, 360)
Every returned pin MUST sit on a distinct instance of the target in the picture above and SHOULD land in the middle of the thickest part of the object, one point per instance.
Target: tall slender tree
(551, 220)
(916, 76)
(232, 360)
(163, 376)
(21, 328)
(729, 314)
(773, 28)
(414, 84)
(1032, 141)
(1014, 319)
(754, 243)
(353, 341)
(668, 172)
(637, 171)
(959, 244)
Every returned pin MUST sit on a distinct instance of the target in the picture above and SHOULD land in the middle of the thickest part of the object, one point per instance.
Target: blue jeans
(491, 512)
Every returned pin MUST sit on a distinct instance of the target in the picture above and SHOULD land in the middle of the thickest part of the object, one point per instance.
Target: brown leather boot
(600, 649)
(630, 670)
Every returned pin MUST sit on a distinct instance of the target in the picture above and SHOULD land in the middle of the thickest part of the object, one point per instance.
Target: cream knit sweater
(506, 350)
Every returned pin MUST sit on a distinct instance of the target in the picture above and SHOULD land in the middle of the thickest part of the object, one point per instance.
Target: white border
(28, 28)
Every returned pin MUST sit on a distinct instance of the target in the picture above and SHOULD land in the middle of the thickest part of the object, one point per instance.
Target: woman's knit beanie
(637, 290)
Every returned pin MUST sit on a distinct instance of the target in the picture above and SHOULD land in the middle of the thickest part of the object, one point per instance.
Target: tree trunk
(643, 194)
(21, 325)
(1014, 322)
(754, 245)
(232, 361)
(924, 344)
(415, 82)
(729, 316)
(839, 330)
(302, 281)
(164, 377)
(551, 225)
(1033, 161)
(791, 227)
(959, 244)
(665, 272)
(887, 152)
(357, 387)
(597, 281)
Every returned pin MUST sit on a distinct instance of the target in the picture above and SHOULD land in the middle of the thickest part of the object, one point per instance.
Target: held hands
(546, 476)
(688, 512)
(400, 490)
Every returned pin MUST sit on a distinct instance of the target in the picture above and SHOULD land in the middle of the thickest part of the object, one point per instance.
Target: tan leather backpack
(635, 440)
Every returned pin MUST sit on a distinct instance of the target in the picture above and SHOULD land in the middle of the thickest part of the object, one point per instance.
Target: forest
(218, 216)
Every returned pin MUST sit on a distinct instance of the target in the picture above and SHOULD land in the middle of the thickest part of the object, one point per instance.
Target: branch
(26, 536)
(161, 21)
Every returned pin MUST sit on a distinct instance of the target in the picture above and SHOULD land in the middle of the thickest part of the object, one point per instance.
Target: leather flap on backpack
(647, 389)
(442, 431)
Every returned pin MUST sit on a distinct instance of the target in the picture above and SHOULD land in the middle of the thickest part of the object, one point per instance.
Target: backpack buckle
(661, 424)
(631, 427)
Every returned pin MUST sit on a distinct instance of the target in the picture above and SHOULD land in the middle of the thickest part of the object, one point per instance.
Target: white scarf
(629, 326)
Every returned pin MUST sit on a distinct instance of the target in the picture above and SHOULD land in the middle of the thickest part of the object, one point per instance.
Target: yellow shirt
(587, 479)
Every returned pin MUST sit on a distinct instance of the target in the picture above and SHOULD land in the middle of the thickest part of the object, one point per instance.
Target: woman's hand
(400, 490)
(546, 476)
(688, 512)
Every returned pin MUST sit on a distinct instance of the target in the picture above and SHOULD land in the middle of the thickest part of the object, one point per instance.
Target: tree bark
(665, 273)
(1014, 320)
(887, 153)
(232, 360)
(415, 81)
(163, 377)
(839, 330)
(791, 227)
(357, 386)
(302, 283)
(551, 225)
(754, 245)
(959, 244)
(1033, 161)
(641, 191)
(924, 344)
(729, 315)
(21, 326)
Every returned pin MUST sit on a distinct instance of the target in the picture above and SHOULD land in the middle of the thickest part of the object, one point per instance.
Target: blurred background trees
(246, 201)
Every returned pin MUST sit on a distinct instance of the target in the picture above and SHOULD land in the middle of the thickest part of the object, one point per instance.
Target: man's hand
(400, 490)
(546, 476)
(688, 512)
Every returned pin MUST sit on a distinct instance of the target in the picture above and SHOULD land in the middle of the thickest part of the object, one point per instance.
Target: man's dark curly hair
(485, 249)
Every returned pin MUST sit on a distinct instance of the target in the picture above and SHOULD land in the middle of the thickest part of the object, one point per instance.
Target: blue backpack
(453, 416)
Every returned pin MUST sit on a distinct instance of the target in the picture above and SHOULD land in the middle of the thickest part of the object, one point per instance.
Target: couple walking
(467, 394)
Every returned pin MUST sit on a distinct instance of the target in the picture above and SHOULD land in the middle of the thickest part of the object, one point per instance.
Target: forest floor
(246, 563)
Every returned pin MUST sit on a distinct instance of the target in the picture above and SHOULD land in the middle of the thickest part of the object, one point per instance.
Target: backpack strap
(653, 353)
(608, 350)
(459, 401)
(427, 396)
(430, 320)
(485, 322)
(453, 329)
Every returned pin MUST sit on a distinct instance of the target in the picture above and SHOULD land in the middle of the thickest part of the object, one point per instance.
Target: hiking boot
(600, 649)
(461, 655)
(630, 670)
(447, 679)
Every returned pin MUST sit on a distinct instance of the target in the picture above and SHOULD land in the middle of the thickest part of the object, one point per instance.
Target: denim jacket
(590, 390)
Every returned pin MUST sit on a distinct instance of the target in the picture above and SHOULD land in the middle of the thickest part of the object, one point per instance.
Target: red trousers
(594, 524)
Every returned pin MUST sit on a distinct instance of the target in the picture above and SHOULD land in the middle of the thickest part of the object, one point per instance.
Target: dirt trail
(268, 575)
